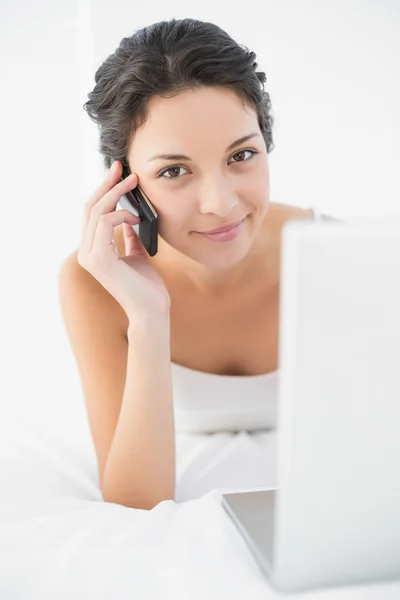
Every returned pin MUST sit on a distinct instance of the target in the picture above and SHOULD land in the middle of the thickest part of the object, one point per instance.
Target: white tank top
(207, 402)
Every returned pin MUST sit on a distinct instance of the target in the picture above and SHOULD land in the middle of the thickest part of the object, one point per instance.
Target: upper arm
(96, 328)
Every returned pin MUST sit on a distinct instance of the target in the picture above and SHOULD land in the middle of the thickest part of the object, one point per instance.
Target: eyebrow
(184, 157)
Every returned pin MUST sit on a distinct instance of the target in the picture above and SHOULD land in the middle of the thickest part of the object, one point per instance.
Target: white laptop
(335, 517)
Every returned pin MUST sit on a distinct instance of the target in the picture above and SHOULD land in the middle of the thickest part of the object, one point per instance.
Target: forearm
(140, 468)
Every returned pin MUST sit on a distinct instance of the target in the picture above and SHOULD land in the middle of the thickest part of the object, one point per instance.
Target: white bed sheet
(58, 539)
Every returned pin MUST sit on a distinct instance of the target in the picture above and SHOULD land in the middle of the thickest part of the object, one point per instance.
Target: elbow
(141, 502)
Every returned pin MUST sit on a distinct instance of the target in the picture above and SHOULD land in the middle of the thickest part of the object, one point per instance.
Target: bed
(59, 539)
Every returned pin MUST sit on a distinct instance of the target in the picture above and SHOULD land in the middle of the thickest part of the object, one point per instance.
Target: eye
(252, 153)
(175, 168)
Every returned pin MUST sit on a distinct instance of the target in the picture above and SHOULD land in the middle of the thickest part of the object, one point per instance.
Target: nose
(217, 197)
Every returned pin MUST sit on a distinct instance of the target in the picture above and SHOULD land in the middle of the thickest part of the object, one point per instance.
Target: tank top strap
(316, 213)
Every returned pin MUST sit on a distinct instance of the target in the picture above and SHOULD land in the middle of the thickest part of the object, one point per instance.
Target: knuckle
(103, 218)
(87, 210)
(81, 259)
(96, 212)
(89, 203)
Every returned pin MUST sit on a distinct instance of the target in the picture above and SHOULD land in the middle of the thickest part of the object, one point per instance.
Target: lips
(221, 229)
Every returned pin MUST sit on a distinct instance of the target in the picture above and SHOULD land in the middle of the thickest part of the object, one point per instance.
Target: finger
(112, 176)
(133, 245)
(105, 205)
(104, 234)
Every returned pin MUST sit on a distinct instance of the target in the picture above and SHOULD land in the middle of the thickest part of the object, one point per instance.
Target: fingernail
(113, 166)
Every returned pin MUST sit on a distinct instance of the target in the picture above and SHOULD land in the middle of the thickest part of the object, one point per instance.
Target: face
(214, 185)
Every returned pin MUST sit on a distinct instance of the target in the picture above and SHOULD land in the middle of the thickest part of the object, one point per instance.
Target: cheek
(173, 219)
(263, 185)
(256, 193)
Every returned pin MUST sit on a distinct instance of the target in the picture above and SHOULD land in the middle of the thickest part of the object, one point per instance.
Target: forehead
(194, 117)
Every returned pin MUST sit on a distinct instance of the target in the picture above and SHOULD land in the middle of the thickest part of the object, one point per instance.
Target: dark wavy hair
(165, 59)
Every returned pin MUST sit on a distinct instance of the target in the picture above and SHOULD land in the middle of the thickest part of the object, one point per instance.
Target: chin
(223, 258)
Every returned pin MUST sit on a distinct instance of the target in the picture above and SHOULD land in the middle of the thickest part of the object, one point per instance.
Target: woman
(180, 104)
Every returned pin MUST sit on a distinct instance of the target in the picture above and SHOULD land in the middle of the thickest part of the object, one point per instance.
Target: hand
(132, 280)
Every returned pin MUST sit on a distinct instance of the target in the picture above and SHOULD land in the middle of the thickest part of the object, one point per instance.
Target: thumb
(133, 245)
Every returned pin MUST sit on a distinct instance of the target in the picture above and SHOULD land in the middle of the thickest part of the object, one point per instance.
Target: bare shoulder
(277, 216)
(74, 279)
(287, 212)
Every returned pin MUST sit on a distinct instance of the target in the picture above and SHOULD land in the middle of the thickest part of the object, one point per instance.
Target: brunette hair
(165, 59)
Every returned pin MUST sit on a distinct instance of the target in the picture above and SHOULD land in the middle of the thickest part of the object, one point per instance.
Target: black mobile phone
(139, 205)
